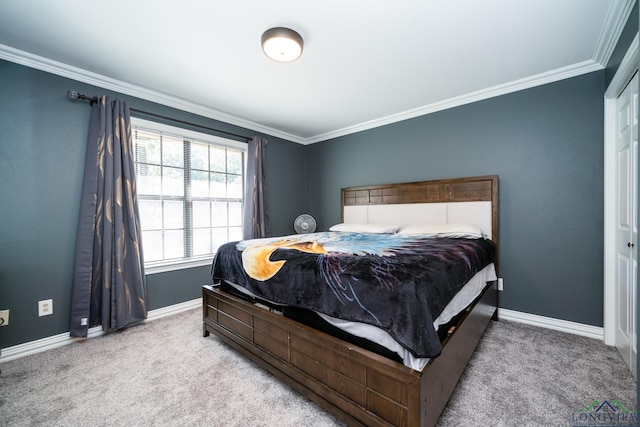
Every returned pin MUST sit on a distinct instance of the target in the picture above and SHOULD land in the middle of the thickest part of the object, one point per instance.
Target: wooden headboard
(470, 200)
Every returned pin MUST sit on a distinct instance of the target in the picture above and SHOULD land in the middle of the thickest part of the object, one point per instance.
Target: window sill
(180, 265)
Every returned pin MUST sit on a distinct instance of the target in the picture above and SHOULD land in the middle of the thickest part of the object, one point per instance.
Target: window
(190, 194)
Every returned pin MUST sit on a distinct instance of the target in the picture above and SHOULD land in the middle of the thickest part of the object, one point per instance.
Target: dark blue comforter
(395, 282)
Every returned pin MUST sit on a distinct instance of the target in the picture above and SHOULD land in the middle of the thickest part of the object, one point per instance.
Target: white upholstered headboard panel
(477, 213)
(472, 200)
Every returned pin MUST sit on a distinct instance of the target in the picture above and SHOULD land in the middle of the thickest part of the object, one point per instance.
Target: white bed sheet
(463, 298)
(460, 301)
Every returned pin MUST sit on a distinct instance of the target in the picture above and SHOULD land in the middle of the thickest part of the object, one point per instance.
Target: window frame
(198, 137)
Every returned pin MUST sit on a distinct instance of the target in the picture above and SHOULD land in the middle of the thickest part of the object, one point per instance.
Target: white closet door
(626, 227)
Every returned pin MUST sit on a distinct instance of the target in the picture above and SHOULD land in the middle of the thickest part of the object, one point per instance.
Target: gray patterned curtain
(255, 220)
(109, 286)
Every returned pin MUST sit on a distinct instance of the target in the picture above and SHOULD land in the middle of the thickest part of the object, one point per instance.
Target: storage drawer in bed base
(356, 385)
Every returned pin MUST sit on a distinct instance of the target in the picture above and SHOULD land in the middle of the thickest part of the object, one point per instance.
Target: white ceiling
(365, 63)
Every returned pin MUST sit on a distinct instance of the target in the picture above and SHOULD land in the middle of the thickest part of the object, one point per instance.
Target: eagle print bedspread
(399, 283)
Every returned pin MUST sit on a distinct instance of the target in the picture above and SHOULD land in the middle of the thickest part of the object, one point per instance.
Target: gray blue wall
(546, 145)
(42, 148)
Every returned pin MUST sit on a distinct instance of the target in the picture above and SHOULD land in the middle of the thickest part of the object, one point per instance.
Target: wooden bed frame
(360, 387)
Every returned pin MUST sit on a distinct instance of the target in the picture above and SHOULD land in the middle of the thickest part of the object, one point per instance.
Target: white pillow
(365, 228)
(444, 230)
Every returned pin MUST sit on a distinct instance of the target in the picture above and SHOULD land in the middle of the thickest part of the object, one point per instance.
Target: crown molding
(626, 69)
(515, 86)
(613, 27)
(58, 68)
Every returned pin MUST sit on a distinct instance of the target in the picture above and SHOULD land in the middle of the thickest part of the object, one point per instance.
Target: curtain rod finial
(73, 94)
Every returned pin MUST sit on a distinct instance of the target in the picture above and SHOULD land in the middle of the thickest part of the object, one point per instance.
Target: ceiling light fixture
(282, 44)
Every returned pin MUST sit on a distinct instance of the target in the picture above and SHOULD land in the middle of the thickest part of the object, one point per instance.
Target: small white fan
(304, 223)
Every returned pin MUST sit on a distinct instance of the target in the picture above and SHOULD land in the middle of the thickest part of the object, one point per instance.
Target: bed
(358, 384)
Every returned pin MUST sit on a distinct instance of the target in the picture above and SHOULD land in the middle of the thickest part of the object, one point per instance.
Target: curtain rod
(72, 94)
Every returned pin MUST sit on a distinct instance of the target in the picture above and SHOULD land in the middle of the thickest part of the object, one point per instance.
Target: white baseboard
(59, 340)
(55, 341)
(173, 309)
(551, 323)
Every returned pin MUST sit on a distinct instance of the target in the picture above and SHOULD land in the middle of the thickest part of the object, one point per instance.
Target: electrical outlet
(500, 284)
(45, 307)
(4, 317)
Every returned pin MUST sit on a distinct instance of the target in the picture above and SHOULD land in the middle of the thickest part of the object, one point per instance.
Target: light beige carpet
(164, 373)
